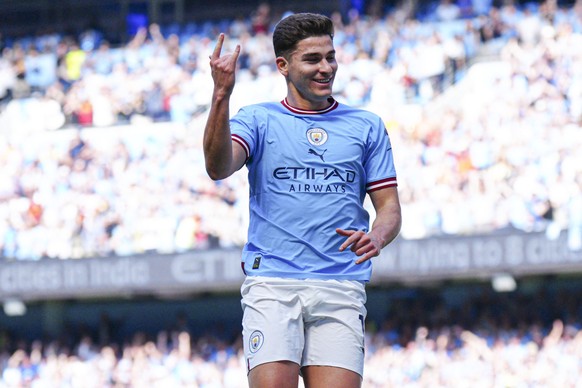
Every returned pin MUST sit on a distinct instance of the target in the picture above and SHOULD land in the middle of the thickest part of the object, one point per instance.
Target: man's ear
(282, 65)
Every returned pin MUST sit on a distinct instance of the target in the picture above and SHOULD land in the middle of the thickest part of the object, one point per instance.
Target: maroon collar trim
(334, 104)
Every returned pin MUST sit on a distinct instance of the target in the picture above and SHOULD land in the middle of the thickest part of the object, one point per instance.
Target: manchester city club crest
(316, 136)
(256, 341)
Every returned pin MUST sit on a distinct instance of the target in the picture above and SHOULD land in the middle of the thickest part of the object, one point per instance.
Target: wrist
(379, 242)
(220, 96)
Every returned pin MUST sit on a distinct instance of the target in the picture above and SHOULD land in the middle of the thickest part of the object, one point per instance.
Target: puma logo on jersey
(313, 152)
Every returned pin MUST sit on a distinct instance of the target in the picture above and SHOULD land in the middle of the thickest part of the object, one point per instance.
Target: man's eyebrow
(316, 55)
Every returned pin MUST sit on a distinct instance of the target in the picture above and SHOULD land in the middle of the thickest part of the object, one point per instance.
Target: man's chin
(323, 95)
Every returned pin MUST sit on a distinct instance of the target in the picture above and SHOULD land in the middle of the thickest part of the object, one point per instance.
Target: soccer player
(311, 161)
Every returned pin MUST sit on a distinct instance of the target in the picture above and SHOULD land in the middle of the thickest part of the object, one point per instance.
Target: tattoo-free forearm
(217, 143)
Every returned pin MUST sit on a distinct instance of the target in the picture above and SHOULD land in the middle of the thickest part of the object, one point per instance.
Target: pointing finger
(218, 48)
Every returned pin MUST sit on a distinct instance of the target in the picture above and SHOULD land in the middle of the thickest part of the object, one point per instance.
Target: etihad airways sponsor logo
(315, 180)
(311, 173)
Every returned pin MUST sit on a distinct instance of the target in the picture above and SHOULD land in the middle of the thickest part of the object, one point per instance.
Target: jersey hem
(305, 277)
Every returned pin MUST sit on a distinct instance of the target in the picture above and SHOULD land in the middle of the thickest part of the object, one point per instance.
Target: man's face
(310, 71)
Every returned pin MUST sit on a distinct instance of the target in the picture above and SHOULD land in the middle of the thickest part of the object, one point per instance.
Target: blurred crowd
(100, 149)
(501, 148)
(162, 73)
(491, 340)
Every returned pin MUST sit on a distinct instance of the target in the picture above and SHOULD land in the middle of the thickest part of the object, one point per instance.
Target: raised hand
(223, 68)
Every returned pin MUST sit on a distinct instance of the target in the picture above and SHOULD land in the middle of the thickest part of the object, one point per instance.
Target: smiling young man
(311, 162)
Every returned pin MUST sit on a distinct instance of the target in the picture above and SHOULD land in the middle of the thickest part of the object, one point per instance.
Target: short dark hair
(299, 26)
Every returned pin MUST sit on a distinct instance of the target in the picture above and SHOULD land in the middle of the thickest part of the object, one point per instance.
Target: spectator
(447, 10)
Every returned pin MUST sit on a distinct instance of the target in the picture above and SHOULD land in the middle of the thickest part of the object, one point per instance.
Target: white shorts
(309, 322)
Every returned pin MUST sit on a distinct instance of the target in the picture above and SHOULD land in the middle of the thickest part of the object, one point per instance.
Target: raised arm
(221, 156)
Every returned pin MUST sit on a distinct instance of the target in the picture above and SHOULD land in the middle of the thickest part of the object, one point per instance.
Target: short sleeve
(379, 161)
(243, 130)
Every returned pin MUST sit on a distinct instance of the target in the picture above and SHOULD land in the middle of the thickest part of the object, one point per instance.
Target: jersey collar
(333, 104)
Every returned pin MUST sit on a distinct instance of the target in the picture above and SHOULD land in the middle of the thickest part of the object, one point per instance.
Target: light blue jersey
(309, 172)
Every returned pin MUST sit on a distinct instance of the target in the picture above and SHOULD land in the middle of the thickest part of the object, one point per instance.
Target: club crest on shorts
(316, 136)
(256, 341)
